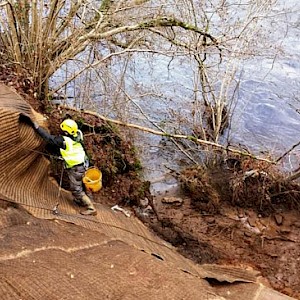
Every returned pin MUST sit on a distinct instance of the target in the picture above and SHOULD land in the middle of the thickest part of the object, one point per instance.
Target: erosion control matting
(69, 256)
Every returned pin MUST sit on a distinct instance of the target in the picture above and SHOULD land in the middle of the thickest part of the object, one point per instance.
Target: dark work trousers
(75, 175)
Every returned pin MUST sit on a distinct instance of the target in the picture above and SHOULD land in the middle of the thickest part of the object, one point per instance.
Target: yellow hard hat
(69, 126)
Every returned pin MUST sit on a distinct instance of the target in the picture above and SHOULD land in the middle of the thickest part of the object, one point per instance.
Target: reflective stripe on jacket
(74, 153)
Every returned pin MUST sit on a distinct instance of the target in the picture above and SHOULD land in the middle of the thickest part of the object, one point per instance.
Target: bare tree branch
(175, 136)
(287, 152)
(3, 3)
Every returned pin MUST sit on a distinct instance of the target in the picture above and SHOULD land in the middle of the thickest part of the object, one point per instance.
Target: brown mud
(239, 212)
(236, 236)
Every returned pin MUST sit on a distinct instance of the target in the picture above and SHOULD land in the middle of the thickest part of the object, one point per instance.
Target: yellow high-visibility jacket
(74, 153)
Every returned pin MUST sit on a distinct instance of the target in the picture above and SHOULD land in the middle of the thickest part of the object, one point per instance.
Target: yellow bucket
(93, 179)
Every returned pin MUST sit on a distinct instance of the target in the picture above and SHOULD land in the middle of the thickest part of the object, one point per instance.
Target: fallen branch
(292, 177)
(278, 237)
(169, 135)
(287, 152)
(295, 175)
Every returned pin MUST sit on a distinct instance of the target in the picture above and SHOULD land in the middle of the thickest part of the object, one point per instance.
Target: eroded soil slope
(224, 216)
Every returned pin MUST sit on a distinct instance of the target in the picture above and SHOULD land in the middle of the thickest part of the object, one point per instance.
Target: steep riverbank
(213, 228)
(240, 230)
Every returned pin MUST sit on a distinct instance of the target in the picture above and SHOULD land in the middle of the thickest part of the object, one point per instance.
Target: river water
(266, 118)
(266, 115)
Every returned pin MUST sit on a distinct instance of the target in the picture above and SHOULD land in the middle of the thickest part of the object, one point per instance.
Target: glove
(29, 121)
(35, 125)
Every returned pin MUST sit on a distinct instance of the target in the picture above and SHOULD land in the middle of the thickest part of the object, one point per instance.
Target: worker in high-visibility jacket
(76, 161)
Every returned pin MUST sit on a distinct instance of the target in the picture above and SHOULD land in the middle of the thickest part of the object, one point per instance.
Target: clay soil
(235, 236)
(240, 214)
(226, 217)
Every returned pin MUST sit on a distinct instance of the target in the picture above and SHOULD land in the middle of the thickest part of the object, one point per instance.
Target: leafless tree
(99, 46)
(41, 35)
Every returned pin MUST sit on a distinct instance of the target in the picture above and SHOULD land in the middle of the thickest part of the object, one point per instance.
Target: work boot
(90, 209)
